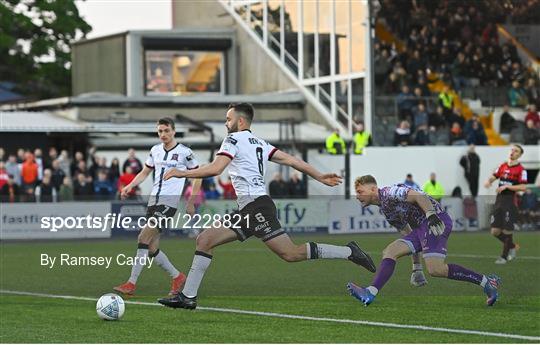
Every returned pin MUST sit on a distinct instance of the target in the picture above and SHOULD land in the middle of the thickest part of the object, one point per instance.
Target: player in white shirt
(163, 202)
(247, 157)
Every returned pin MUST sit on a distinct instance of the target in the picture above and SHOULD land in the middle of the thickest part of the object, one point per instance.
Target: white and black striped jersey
(179, 157)
(250, 156)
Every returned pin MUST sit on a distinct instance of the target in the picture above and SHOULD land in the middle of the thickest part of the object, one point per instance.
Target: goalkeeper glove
(436, 226)
(418, 278)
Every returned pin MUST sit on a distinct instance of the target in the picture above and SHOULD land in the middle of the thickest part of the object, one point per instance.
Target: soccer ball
(110, 307)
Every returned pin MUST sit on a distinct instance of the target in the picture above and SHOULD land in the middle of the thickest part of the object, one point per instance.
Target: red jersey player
(512, 178)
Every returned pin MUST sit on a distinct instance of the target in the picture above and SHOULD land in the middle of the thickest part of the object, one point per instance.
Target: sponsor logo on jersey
(231, 140)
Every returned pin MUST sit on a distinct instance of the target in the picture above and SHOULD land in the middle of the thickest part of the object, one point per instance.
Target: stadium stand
(454, 44)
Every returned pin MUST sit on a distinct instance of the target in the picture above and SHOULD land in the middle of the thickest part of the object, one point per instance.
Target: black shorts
(159, 212)
(504, 216)
(259, 219)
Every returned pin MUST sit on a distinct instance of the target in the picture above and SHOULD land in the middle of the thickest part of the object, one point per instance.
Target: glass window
(310, 11)
(257, 18)
(325, 24)
(274, 22)
(325, 95)
(342, 37)
(357, 98)
(184, 72)
(290, 10)
(358, 17)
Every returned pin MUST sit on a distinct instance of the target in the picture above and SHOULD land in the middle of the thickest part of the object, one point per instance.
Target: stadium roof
(26, 121)
(97, 99)
(270, 98)
(43, 121)
(303, 132)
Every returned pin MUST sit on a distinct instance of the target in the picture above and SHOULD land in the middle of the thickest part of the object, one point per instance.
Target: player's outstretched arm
(489, 181)
(283, 158)
(141, 176)
(213, 169)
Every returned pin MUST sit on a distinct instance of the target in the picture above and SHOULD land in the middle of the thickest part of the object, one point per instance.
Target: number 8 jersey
(250, 156)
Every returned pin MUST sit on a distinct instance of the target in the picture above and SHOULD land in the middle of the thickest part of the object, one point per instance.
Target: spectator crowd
(459, 42)
(31, 176)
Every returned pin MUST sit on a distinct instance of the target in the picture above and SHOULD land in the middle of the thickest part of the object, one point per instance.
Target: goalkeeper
(427, 227)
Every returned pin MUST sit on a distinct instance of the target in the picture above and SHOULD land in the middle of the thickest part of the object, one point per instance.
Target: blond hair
(363, 180)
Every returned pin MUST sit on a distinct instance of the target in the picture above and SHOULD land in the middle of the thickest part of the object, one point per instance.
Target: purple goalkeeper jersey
(399, 212)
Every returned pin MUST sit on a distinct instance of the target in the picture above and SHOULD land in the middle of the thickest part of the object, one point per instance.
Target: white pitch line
(301, 317)
(470, 256)
(473, 256)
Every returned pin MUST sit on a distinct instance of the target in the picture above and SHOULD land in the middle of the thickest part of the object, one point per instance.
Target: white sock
(163, 261)
(137, 266)
(374, 291)
(201, 261)
(484, 281)
(327, 251)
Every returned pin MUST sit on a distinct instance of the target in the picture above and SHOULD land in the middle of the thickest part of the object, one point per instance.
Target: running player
(429, 227)
(247, 157)
(162, 203)
(512, 178)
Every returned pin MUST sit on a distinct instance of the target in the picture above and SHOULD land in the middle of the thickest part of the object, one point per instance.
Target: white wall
(326, 163)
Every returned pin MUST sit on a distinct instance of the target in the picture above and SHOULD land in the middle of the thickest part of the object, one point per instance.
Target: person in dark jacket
(83, 188)
(471, 164)
(57, 174)
(45, 191)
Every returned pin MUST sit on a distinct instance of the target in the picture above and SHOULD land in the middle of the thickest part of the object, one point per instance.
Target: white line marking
(470, 256)
(300, 317)
(491, 257)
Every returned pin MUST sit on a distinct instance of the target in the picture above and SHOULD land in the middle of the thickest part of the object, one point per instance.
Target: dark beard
(233, 129)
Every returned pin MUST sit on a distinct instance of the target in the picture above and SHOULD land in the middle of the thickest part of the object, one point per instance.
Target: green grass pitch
(249, 277)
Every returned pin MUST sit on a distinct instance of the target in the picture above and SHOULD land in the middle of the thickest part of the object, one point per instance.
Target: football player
(512, 178)
(163, 203)
(428, 227)
(247, 157)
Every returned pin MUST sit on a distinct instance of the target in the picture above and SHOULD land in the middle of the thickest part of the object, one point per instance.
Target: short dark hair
(409, 175)
(363, 180)
(167, 121)
(520, 148)
(243, 109)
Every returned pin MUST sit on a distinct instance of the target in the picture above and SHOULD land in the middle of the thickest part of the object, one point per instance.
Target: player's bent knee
(152, 250)
(495, 231)
(388, 253)
(145, 236)
(203, 241)
(437, 271)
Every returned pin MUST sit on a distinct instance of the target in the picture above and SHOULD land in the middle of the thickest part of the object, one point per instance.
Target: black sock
(507, 246)
(501, 237)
